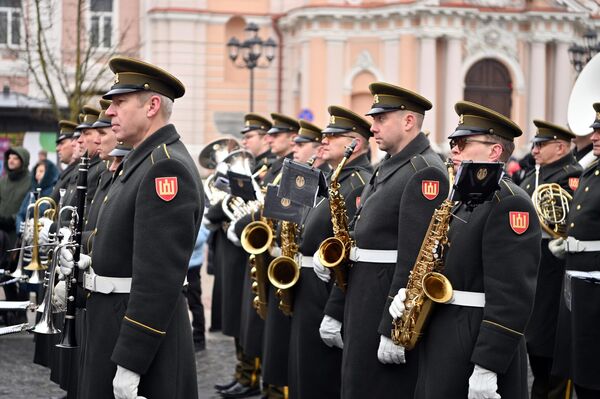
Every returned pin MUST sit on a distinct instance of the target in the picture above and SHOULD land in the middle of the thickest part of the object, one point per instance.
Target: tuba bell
(212, 155)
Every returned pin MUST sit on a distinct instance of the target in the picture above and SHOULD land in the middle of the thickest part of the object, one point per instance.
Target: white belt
(373, 255)
(305, 261)
(466, 298)
(106, 285)
(574, 245)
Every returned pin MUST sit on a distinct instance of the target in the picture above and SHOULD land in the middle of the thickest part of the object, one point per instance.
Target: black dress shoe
(224, 387)
(240, 391)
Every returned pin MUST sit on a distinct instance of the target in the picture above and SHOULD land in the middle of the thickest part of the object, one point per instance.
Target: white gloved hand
(397, 306)
(275, 250)
(125, 383)
(558, 247)
(65, 260)
(59, 296)
(483, 384)
(44, 237)
(321, 271)
(389, 352)
(232, 236)
(331, 332)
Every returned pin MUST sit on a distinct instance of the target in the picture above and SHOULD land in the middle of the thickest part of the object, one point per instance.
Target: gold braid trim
(501, 326)
(145, 326)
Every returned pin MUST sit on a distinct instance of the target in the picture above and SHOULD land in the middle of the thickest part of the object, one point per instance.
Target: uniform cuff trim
(144, 326)
(503, 327)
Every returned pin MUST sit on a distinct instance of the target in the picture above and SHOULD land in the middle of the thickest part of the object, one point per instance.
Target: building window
(101, 17)
(10, 23)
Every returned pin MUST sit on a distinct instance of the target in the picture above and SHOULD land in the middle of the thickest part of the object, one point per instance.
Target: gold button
(377, 174)
(587, 189)
(578, 207)
(92, 202)
(120, 173)
(527, 188)
(572, 225)
(106, 198)
(597, 172)
(95, 230)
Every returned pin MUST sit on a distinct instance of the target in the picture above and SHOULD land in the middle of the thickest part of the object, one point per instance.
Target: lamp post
(251, 51)
(581, 54)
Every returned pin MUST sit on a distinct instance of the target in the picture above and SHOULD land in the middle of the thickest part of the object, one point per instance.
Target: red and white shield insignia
(430, 189)
(166, 187)
(519, 221)
(573, 183)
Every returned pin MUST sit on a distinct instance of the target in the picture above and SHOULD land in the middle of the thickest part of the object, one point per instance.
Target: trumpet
(36, 264)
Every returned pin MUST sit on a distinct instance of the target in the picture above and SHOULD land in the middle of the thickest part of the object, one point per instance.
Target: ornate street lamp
(581, 54)
(251, 53)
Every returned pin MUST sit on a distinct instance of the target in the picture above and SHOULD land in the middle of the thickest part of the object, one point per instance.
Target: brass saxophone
(426, 284)
(284, 271)
(334, 251)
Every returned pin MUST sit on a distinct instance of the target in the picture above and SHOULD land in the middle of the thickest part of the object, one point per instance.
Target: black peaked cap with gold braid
(254, 121)
(103, 120)
(475, 119)
(547, 131)
(342, 120)
(283, 124)
(90, 115)
(308, 133)
(66, 130)
(596, 124)
(133, 75)
(388, 98)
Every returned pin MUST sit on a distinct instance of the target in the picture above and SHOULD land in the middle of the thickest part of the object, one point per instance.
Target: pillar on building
(427, 77)
(453, 86)
(537, 84)
(392, 66)
(562, 83)
(334, 78)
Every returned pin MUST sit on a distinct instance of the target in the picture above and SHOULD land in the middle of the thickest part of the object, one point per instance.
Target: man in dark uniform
(473, 346)
(64, 148)
(576, 352)
(554, 164)
(138, 334)
(88, 140)
(236, 278)
(307, 350)
(276, 330)
(396, 206)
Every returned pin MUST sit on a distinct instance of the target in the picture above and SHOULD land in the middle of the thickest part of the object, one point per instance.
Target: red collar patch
(166, 187)
(430, 189)
(573, 183)
(519, 221)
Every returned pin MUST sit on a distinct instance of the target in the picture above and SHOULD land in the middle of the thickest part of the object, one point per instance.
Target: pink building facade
(509, 54)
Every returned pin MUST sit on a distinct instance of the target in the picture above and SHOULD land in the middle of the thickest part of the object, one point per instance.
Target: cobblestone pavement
(21, 379)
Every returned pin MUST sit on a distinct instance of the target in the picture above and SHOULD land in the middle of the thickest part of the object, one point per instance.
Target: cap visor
(541, 139)
(118, 152)
(375, 111)
(335, 130)
(464, 133)
(98, 124)
(83, 126)
(249, 129)
(594, 125)
(115, 92)
(300, 139)
(278, 130)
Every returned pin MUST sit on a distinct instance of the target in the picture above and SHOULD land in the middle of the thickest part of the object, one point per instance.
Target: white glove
(125, 383)
(232, 236)
(59, 296)
(331, 332)
(275, 250)
(397, 306)
(321, 271)
(483, 384)
(558, 247)
(389, 352)
(65, 260)
(44, 237)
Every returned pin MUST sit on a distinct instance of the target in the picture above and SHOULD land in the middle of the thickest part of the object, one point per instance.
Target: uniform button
(572, 225)
(597, 172)
(377, 174)
(358, 217)
(106, 198)
(92, 202)
(578, 207)
(120, 173)
(527, 188)
(587, 189)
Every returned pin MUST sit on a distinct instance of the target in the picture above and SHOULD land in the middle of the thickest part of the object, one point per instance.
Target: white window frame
(102, 15)
(9, 39)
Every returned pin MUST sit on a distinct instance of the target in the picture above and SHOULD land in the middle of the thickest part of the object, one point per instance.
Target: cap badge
(116, 81)
(332, 119)
(430, 189)
(285, 202)
(481, 173)
(247, 123)
(519, 221)
(376, 98)
(461, 119)
(597, 115)
(166, 188)
(300, 181)
(573, 183)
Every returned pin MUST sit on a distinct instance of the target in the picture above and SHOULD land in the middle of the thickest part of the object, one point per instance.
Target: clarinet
(69, 339)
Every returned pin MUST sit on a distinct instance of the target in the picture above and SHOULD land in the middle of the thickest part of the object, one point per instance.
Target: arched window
(234, 27)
